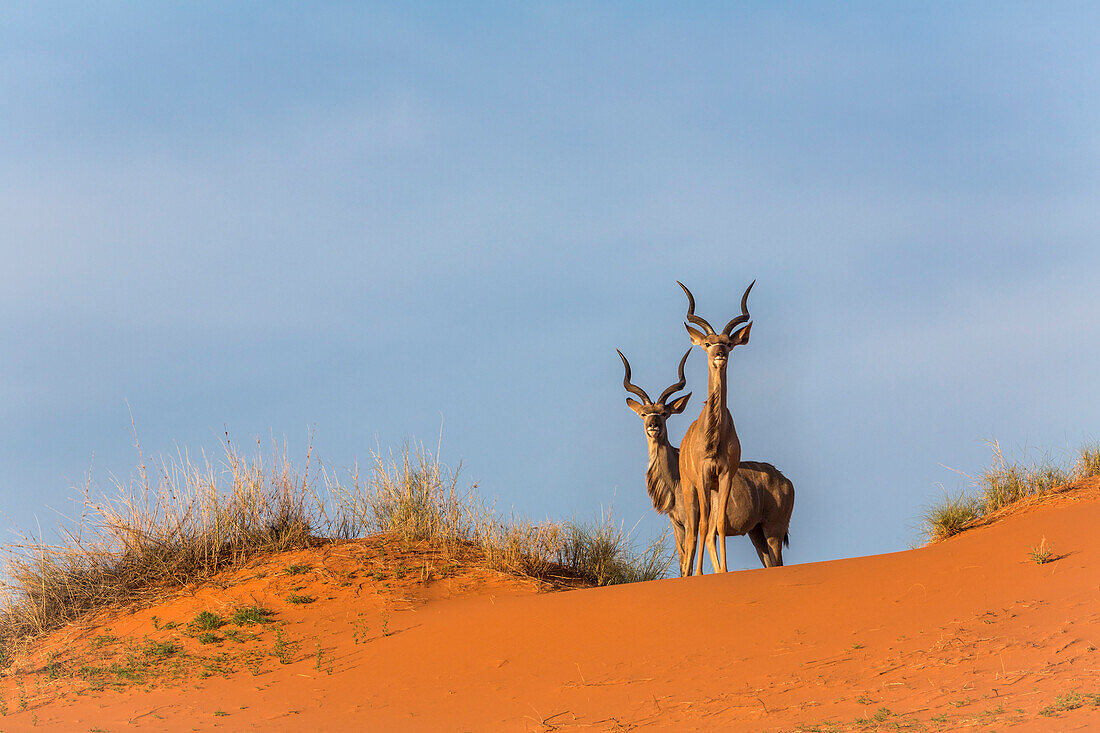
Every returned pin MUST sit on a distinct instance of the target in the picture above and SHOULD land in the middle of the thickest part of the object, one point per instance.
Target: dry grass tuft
(182, 525)
(950, 516)
(415, 498)
(1003, 485)
(1088, 462)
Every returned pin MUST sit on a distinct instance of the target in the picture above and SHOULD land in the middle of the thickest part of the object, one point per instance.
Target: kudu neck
(716, 392)
(663, 474)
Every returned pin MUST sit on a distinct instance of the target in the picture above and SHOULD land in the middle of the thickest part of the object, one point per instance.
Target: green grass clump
(209, 637)
(949, 516)
(251, 615)
(296, 569)
(160, 649)
(206, 621)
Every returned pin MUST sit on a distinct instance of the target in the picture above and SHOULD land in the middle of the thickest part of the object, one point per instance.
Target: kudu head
(718, 345)
(654, 414)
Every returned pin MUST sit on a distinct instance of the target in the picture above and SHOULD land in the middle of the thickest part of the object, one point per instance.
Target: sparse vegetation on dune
(1004, 484)
(183, 522)
(415, 498)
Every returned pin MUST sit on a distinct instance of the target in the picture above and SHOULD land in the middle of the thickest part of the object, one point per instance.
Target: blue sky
(371, 221)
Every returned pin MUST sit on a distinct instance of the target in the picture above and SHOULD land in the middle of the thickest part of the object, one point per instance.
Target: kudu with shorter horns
(710, 453)
(662, 477)
(771, 491)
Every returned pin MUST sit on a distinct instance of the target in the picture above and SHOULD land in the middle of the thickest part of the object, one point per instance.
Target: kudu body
(761, 498)
(760, 486)
(710, 453)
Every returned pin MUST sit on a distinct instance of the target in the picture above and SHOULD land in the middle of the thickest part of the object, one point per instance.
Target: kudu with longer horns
(710, 453)
(771, 492)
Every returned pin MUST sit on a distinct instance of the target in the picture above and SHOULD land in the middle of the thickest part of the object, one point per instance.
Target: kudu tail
(786, 539)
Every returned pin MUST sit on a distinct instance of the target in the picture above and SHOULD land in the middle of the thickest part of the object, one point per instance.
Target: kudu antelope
(662, 477)
(772, 493)
(710, 453)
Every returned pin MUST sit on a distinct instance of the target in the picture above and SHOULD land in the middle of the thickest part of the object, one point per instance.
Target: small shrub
(296, 569)
(251, 615)
(209, 637)
(206, 621)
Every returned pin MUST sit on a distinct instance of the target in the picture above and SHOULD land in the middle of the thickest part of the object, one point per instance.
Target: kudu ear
(697, 337)
(741, 337)
(635, 405)
(679, 404)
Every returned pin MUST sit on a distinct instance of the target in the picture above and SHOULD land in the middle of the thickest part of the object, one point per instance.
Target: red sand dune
(968, 634)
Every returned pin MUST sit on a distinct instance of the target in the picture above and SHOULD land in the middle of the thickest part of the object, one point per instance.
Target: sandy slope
(966, 634)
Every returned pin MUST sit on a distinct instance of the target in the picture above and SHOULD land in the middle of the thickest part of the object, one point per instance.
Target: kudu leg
(760, 542)
(720, 508)
(775, 545)
(678, 535)
(712, 542)
(705, 509)
(691, 528)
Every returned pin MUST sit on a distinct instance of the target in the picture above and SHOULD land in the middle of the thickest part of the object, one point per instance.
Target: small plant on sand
(209, 637)
(238, 636)
(160, 649)
(1042, 553)
(299, 600)
(1069, 701)
(296, 569)
(251, 615)
(385, 623)
(880, 716)
(282, 649)
(361, 634)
